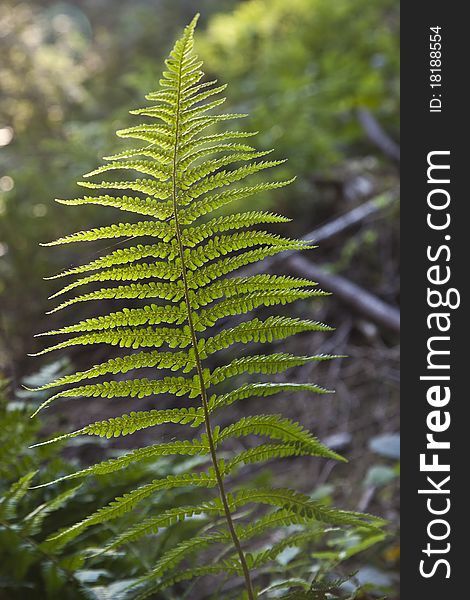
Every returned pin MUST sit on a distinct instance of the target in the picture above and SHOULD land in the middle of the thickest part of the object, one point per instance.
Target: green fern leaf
(166, 291)
(141, 206)
(124, 504)
(124, 256)
(129, 337)
(262, 390)
(150, 228)
(267, 364)
(180, 274)
(184, 448)
(273, 328)
(212, 202)
(134, 421)
(163, 270)
(133, 388)
(277, 428)
(161, 360)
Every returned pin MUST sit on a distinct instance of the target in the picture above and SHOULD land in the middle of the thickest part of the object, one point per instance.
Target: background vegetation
(320, 81)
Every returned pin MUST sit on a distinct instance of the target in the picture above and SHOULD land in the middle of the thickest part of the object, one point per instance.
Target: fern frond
(227, 288)
(184, 448)
(278, 428)
(186, 160)
(33, 521)
(197, 144)
(267, 364)
(225, 244)
(177, 554)
(163, 231)
(195, 235)
(180, 274)
(146, 186)
(238, 305)
(147, 590)
(188, 114)
(262, 390)
(283, 517)
(9, 501)
(266, 452)
(197, 125)
(146, 167)
(134, 421)
(210, 203)
(157, 135)
(294, 539)
(124, 256)
(206, 274)
(175, 361)
(149, 315)
(273, 328)
(141, 206)
(164, 291)
(195, 174)
(162, 157)
(129, 337)
(222, 178)
(131, 388)
(159, 269)
(128, 502)
(303, 504)
(166, 518)
(196, 96)
(280, 498)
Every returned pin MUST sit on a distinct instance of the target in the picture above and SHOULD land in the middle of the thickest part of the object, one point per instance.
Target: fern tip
(41, 485)
(32, 417)
(28, 389)
(194, 20)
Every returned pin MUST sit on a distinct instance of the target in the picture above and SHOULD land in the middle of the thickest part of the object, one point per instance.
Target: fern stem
(207, 422)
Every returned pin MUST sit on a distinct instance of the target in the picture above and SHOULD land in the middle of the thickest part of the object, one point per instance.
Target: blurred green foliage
(302, 68)
(33, 567)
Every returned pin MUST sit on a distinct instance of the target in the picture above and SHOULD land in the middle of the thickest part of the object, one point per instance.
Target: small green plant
(33, 566)
(181, 277)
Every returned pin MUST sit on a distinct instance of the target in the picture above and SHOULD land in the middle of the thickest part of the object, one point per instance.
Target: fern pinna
(182, 277)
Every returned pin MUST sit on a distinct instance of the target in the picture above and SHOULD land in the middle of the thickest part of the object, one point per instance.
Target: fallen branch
(377, 135)
(353, 217)
(361, 300)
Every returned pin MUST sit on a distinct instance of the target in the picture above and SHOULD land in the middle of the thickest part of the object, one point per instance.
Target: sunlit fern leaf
(262, 390)
(134, 421)
(279, 498)
(123, 256)
(129, 501)
(139, 206)
(182, 279)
